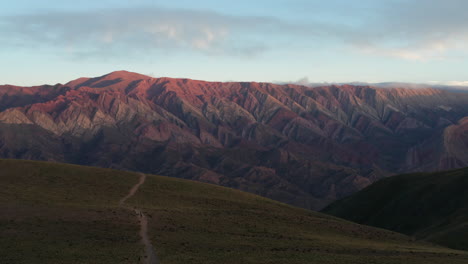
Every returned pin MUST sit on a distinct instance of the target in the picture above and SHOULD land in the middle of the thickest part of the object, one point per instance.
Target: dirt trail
(133, 190)
(150, 254)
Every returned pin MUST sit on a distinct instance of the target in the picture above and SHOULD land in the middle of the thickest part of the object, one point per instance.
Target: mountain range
(306, 146)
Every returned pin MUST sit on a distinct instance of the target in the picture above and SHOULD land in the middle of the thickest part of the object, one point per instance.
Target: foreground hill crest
(59, 213)
(301, 145)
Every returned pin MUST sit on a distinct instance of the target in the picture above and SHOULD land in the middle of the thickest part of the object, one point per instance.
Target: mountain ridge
(301, 145)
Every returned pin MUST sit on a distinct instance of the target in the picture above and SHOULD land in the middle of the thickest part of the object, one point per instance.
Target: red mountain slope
(305, 146)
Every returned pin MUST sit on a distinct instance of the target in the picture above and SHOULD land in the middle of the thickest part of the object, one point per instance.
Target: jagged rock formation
(304, 146)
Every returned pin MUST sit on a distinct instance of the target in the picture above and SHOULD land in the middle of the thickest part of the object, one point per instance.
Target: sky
(314, 41)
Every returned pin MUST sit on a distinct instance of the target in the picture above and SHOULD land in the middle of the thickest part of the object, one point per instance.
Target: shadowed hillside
(429, 206)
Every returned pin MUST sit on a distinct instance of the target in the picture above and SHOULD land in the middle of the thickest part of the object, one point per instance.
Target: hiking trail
(150, 254)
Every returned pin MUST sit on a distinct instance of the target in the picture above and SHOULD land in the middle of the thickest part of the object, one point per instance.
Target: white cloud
(424, 53)
(449, 83)
(405, 29)
(106, 32)
(417, 30)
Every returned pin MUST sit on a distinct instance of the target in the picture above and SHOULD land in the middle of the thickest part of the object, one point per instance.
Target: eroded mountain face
(300, 145)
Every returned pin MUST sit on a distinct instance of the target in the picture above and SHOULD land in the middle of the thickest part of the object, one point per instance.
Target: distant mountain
(451, 88)
(458, 87)
(430, 206)
(56, 213)
(301, 145)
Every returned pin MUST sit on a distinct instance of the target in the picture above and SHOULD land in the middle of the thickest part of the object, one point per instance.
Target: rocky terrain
(296, 144)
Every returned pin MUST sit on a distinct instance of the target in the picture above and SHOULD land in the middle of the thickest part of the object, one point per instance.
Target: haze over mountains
(301, 145)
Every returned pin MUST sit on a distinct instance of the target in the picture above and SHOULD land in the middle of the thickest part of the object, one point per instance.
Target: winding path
(150, 254)
(133, 190)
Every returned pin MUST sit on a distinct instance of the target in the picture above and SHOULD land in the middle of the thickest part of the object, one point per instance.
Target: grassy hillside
(55, 213)
(430, 206)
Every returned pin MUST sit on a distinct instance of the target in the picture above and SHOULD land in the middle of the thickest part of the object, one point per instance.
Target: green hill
(56, 213)
(429, 206)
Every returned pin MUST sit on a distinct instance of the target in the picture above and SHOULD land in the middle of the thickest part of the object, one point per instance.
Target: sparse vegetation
(55, 213)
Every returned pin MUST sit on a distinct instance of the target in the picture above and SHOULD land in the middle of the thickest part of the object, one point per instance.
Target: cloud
(421, 53)
(450, 83)
(404, 29)
(303, 81)
(139, 30)
(111, 32)
(416, 30)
